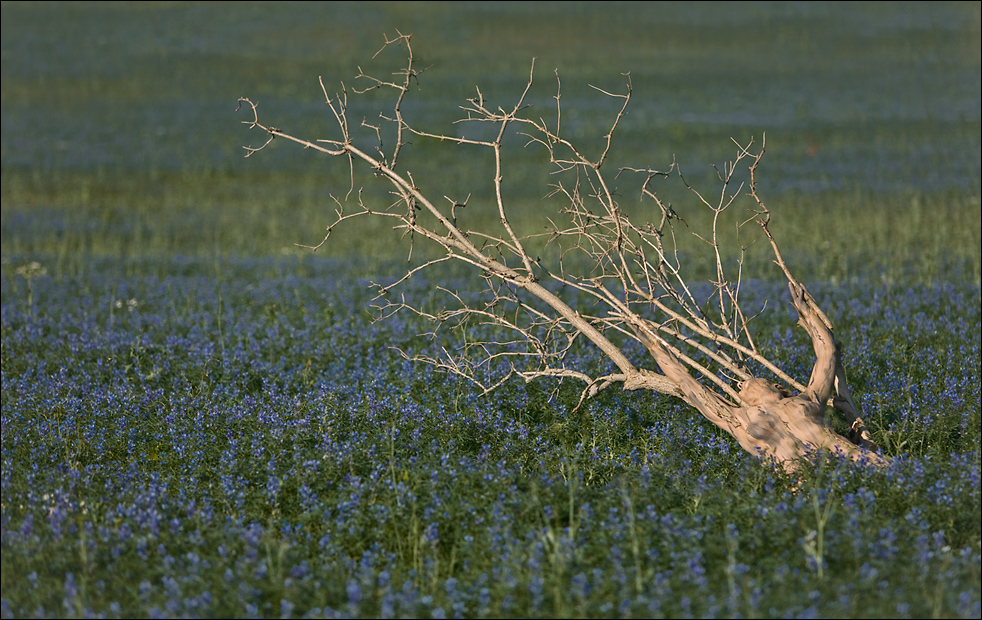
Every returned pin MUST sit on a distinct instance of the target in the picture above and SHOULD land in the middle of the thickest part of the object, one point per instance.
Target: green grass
(126, 113)
(200, 418)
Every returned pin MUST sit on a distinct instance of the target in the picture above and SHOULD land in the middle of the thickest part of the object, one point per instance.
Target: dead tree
(631, 272)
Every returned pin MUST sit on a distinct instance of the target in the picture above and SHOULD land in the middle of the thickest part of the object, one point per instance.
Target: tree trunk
(770, 421)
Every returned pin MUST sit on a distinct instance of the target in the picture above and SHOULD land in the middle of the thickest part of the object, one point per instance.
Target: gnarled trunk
(769, 420)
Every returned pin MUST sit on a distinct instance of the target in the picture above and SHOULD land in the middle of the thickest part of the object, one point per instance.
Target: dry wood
(633, 274)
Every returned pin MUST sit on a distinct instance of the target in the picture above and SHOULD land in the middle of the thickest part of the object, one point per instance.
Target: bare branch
(529, 317)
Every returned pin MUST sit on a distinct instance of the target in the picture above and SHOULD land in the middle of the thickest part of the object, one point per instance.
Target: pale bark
(634, 276)
(770, 421)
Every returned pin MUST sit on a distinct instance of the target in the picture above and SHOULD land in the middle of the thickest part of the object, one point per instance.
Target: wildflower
(31, 270)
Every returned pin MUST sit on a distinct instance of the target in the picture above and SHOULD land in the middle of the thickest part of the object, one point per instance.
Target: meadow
(200, 418)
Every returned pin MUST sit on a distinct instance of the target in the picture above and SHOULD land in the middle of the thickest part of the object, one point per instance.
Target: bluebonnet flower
(71, 600)
(242, 443)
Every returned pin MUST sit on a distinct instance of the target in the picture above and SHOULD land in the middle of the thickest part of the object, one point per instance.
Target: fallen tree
(632, 272)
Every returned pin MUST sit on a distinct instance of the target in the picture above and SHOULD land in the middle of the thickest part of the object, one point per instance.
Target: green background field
(121, 136)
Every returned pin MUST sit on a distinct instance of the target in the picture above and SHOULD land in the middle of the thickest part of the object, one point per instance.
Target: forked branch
(597, 278)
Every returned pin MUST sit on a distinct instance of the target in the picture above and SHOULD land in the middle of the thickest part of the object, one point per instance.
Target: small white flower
(31, 270)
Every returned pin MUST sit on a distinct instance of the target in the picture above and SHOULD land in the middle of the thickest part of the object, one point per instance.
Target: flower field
(173, 448)
(201, 419)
